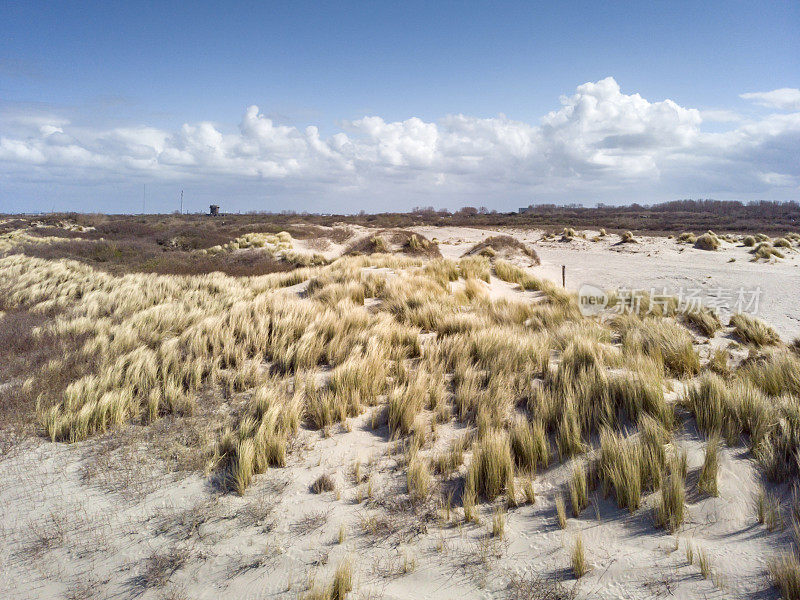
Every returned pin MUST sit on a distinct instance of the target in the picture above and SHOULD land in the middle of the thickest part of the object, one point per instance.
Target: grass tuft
(418, 479)
(579, 565)
(578, 490)
(492, 467)
(753, 331)
(784, 571)
(498, 522)
(342, 580)
(707, 483)
(671, 507)
(561, 512)
(323, 483)
(707, 241)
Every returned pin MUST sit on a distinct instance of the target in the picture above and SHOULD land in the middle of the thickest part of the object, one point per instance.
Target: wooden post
(563, 276)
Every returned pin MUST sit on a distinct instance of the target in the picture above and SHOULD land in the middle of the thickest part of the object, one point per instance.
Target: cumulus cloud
(600, 138)
(782, 99)
(720, 115)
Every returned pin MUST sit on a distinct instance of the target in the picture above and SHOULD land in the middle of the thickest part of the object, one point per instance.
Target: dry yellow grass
(492, 468)
(707, 482)
(784, 570)
(578, 490)
(671, 508)
(561, 512)
(579, 565)
(387, 330)
(418, 479)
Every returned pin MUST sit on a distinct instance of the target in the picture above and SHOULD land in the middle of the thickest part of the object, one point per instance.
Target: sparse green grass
(339, 587)
(409, 562)
(451, 459)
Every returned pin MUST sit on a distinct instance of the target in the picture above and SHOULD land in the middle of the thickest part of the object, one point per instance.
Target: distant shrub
(398, 241)
(766, 251)
(503, 246)
(707, 241)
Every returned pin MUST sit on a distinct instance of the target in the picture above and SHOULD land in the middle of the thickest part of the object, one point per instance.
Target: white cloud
(782, 99)
(599, 140)
(720, 116)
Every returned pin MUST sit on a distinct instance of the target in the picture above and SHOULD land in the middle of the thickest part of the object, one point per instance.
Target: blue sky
(445, 104)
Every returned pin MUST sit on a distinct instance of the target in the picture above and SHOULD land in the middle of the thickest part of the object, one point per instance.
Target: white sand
(655, 263)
